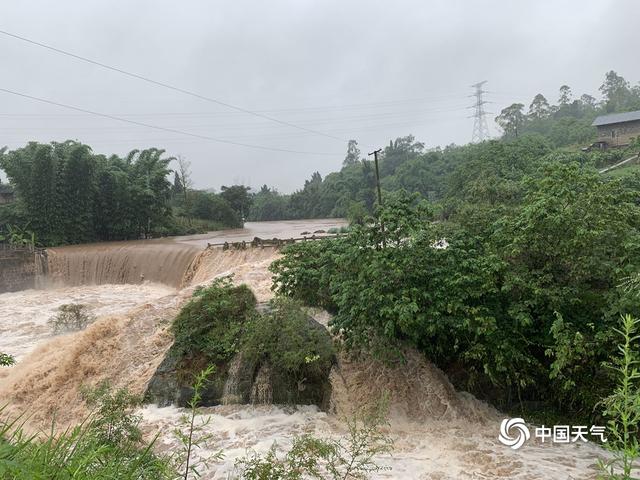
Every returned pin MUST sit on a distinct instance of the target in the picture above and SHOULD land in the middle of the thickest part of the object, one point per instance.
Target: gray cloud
(317, 64)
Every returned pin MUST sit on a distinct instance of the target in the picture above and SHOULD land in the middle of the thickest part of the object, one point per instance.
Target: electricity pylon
(480, 128)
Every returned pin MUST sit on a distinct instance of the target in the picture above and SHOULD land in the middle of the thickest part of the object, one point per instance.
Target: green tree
(114, 209)
(209, 206)
(511, 119)
(353, 154)
(399, 151)
(588, 101)
(304, 203)
(67, 194)
(565, 95)
(268, 204)
(615, 92)
(539, 107)
(238, 197)
(151, 190)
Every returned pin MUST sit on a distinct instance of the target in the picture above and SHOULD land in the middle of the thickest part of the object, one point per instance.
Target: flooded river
(136, 288)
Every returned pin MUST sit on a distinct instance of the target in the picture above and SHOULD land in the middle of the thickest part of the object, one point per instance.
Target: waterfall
(232, 393)
(42, 268)
(120, 262)
(262, 390)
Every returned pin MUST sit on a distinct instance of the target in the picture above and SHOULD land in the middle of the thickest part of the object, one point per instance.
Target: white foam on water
(431, 450)
(24, 315)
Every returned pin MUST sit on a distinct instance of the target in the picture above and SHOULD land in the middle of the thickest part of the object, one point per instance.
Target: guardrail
(8, 247)
(269, 242)
(12, 247)
(620, 164)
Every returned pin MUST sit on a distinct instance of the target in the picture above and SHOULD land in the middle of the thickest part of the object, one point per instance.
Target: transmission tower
(480, 128)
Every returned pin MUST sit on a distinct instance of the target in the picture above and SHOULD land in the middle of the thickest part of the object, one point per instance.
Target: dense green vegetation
(68, 194)
(509, 283)
(210, 326)
(285, 337)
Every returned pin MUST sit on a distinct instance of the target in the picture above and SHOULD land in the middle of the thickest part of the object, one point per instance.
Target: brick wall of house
(619, 133)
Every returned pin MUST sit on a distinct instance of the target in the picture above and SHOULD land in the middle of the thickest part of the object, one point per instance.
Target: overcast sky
(367, 70)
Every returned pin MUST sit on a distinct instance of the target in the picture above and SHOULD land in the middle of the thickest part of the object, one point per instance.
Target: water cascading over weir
(130, 347)
(119, 263)
(124, 349)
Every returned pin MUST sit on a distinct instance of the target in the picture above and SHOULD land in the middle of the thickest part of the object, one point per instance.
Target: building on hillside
(617, 129)
(6, 194)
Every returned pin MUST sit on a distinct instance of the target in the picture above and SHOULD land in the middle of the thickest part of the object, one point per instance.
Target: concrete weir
(20, 267)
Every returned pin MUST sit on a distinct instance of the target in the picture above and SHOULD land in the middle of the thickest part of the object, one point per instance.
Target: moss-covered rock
(268, 353)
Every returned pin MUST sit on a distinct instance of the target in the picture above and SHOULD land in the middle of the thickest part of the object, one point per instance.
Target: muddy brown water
(136, 288)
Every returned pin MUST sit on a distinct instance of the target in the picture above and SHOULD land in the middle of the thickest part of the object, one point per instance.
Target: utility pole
(480, 128)
(375, 158)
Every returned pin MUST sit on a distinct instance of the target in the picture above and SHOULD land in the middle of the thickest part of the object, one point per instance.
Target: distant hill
(407, 164)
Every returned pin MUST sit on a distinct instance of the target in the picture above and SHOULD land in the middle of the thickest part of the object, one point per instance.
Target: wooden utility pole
(375, 158)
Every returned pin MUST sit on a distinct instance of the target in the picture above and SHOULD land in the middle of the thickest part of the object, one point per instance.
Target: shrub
(305, 270)
(352, 456)
(519, 306)
(298, 350)
(210, 325)
(113, 421)
(71, 317)
(6, 360)
(622, 407)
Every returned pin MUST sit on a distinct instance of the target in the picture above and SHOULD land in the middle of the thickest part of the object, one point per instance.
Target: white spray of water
(443, 450)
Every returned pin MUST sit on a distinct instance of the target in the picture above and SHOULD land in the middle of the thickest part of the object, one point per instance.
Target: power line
(230, 125)
(314, 118)
(302, 110)
(166, 85)
(340, 130)
(155, 127)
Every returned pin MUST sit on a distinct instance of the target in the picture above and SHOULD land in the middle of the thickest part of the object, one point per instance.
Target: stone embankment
(19, 267)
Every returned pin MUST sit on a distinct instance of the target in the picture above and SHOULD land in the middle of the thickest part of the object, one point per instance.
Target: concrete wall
(17, 269)
(6, 198)
(619, 133)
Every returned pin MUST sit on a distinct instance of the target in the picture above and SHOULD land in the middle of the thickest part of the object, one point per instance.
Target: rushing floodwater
(439, 434)
(24, 315)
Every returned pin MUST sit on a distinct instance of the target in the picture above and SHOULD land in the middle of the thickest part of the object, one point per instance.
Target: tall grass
(87, 451)
(622, 407)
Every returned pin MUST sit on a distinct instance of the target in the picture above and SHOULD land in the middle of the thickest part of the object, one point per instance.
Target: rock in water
(252, 376)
